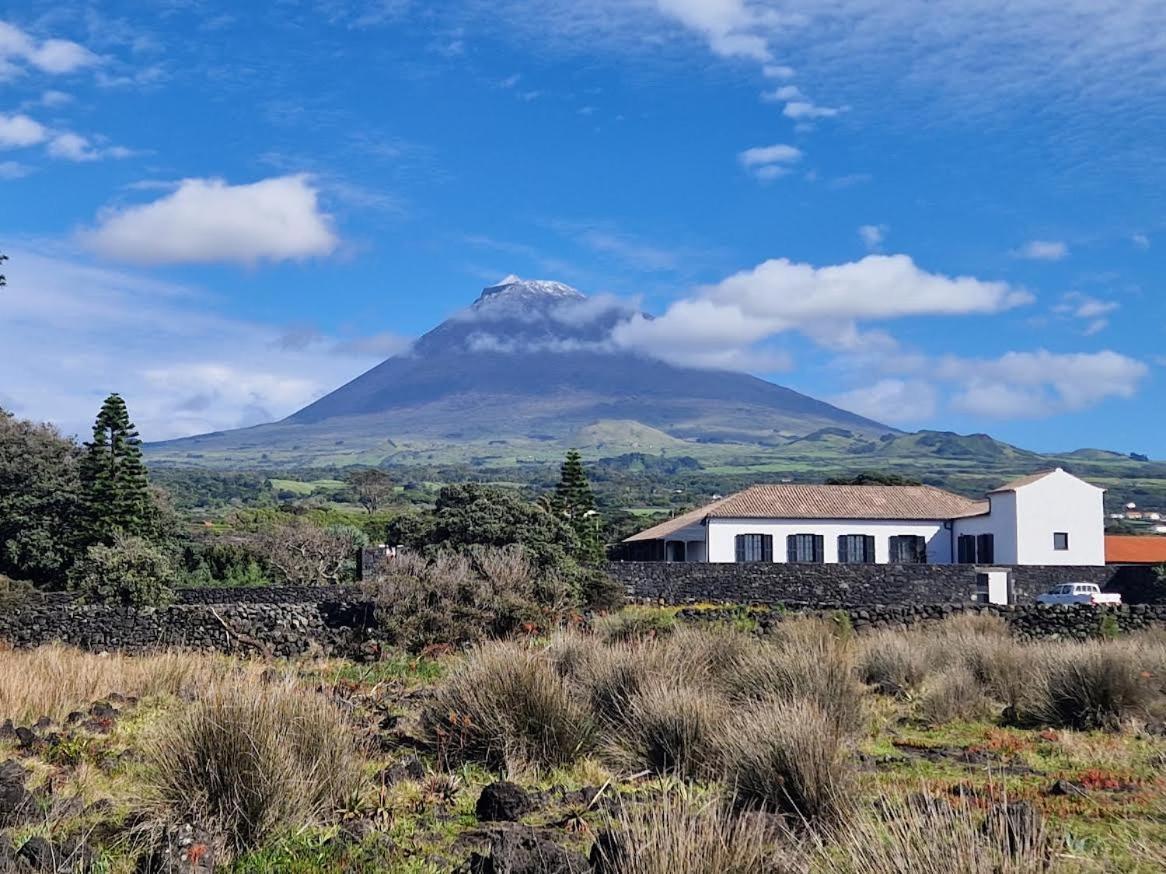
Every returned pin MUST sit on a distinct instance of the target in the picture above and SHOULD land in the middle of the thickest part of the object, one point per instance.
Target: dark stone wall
(328, 627)
(1030, 622)
(832, 585)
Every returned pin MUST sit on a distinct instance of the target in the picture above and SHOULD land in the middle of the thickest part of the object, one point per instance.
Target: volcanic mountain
(527, 370)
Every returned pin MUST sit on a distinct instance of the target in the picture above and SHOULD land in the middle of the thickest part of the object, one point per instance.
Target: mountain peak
(515, 288)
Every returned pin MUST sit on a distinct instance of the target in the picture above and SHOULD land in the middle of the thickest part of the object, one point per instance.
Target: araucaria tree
(575, 502)
(115, 490)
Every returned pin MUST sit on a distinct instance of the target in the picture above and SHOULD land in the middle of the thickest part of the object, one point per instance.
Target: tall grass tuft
(673, 836)
(893, 662)
(790, 758)
(952, 694)
(1091, 686)
(507, 708)
(670, 727)
(928, 835)
(250, 761)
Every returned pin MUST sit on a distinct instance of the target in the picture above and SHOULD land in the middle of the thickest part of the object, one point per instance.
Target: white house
(1048, 518)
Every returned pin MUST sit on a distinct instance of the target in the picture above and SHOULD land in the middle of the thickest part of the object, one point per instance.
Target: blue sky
(939, 213)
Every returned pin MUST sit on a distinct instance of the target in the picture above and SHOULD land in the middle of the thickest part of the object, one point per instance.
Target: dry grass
(926, 835)
(790, 758)
(672, 836)
(253, 760)
(670, 727)
(506, 707)
(814, 668)
(893, 662)
(952, 694)
(1091, 685)
(54, 680)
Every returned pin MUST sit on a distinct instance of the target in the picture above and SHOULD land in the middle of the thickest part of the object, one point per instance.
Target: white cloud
(14, 170)
(74, 147)
(770, 162)
(782, 94)
(730, 26)
(1141, 241)
(73, 332)
(208, 220)
(824, 303)
(53, 56)
(1089, 309)
(1025, 385)
(778, 71)
(20, 131)
(1043, 250)
(805, 110)
(895, 401)
(872, 236)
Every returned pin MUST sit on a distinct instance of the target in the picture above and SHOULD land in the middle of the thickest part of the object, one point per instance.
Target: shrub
(928, 835)
(131, 572)
(674, 837)
(707, 655)
(635, 623)
(247, 763)
(894, 662)
(1003, 667)
(818, 669)
(950, 695)
(506, 707)
(463, 597)
(670, 728)
(613, 676)
(789, 757)
(1091, 686)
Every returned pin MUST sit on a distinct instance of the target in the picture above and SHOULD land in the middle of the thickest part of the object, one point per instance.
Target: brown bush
(249, 761)
(790, 757)
(671, 836)
(507, 708)
(1090, 686)
(952, 694)
(893, 662)
(669, 727)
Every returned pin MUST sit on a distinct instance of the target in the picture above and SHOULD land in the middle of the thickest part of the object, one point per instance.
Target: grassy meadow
(647, 745)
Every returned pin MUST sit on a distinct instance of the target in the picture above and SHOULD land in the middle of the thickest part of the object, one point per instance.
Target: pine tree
(575, 502)
(113, 477)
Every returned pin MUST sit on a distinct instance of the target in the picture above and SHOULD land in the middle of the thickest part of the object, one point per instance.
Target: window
(908, 549)
(985, 549)
(805, 548)
(856, 549)
(754, 547)
(1061, 540)
(976, 549)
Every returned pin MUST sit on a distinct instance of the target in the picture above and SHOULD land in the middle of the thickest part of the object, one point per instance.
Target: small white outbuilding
(1047, 518)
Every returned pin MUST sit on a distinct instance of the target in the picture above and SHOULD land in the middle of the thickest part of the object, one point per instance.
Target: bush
(613, 676)
(461, 598)
(131, 572)
(674, 837)
(670, 728)
(894, 662)
(928, 835)
(950, 695)
(813, 668)
(790, 758)
(1091, 686)
(505, 707)
(1003, 667)
(249, 763)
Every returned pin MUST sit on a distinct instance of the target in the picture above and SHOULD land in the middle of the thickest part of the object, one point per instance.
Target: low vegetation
(683, 750)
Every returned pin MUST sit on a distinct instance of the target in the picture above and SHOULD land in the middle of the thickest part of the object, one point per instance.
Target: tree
(575, 502)
(873, 478)
(40, 501)
(373, 488)
(113, 477)
(130, 571)
(305, 554)
(3, 280)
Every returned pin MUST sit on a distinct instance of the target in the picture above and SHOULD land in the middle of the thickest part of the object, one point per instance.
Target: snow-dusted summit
(519, 290)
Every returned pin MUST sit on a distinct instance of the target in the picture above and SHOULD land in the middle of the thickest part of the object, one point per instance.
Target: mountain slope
(529, 364)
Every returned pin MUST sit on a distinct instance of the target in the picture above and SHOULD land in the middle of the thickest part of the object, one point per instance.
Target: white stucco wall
(722, 534)
(1060, 502)
(1000, 523)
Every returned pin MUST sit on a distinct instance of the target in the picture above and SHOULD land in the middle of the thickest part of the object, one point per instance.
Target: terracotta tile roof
(692, 517)
(1131, 549)
(1013, 485)
(797, 501)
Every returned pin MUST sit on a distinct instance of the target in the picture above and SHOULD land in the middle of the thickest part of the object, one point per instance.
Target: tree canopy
(113, 476)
